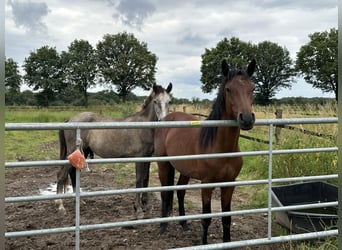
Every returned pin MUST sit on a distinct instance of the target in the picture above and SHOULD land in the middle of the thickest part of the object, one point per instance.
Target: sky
(177, 31)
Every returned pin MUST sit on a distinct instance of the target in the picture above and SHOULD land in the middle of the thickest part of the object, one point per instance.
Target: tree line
(121, 63)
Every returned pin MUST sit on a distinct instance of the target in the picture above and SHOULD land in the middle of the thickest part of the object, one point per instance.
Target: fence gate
(270, 123)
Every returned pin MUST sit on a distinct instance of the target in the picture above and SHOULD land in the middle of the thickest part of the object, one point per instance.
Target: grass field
(40, 145)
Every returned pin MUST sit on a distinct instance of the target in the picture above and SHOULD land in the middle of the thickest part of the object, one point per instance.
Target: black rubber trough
(308, 220)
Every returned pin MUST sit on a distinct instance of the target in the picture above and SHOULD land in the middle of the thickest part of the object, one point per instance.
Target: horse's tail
(62, 145)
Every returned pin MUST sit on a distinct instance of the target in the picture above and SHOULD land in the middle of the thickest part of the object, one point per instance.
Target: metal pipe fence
(117, 125)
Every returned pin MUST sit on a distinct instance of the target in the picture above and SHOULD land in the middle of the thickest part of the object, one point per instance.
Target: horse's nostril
(247, 118)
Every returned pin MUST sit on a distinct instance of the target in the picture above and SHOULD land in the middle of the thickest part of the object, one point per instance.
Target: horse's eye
(228, 90)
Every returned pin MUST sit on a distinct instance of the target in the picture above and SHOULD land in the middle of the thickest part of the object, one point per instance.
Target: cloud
(134, 12)
(29, 15)
(192, 38)
(303, 4)
(178, 31)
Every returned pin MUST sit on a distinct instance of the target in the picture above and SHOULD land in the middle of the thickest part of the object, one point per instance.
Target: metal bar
(263, 241)
(168, 188)
(203, 216)
(165, 219)
(170, 158)
(160, 124)
(39, 232)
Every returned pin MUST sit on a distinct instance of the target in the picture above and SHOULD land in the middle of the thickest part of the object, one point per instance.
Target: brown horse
(233, 102)
(109, 143)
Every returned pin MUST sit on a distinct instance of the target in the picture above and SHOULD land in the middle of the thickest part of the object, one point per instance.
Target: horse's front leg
(145, 196)
(206, 209)
(166, 176)
(141, 204)
(226, 197)
(183, 180)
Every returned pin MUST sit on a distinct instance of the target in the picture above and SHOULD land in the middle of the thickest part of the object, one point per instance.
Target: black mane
(208, 134)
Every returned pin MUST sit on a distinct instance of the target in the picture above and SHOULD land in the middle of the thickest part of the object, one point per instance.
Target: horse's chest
(224, 169)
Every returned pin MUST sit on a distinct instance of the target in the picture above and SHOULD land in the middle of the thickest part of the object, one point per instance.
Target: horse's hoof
(185, 227)
(147, 213)
(139, 214)
(163, 229)
(61, 211)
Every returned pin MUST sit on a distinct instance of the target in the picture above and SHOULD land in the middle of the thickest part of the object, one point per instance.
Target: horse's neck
(227, 139)
(148, 113)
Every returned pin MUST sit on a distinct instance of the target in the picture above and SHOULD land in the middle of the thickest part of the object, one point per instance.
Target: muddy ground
(43, 214)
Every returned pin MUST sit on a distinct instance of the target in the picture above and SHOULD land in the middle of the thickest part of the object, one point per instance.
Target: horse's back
(70, 135)
(90, 117)
(108, 143)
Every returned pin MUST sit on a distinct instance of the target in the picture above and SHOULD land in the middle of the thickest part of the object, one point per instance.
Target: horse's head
(238, 91)
(161, 100)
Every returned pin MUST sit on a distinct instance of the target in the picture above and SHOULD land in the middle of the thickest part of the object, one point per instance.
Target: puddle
(52, 189)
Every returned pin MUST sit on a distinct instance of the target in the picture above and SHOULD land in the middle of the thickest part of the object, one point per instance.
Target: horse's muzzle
(246, 121)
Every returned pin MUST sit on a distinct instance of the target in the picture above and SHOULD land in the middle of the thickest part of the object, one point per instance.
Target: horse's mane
(157, 89)
(208, 134)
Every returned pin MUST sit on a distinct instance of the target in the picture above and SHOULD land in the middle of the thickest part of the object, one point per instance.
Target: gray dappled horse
(111, 143)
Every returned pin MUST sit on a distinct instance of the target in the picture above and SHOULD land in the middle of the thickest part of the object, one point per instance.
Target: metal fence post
(269, 220)
(77, 208)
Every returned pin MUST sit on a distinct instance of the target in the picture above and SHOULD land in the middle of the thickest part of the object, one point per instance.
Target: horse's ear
(169, 88)
(251, 67)
(154, 87)
(225, 68)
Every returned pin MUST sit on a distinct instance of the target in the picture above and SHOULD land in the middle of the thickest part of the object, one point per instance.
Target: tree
(44, 72)
(125, 63)
(13, 81)
(274, 71)
(80, 67)
(274, 66)
(317, 61)
(236, 52)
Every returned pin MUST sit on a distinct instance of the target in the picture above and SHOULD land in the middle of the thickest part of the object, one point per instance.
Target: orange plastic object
(77, 159)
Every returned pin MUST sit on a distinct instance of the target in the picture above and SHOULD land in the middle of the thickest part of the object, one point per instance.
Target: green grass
(60, 114)
(30, 145)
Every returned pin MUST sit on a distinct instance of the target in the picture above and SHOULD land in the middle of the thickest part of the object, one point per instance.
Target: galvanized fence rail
(108, 125)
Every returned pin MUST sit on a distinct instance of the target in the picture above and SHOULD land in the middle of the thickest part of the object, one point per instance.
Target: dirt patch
(43, 214)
